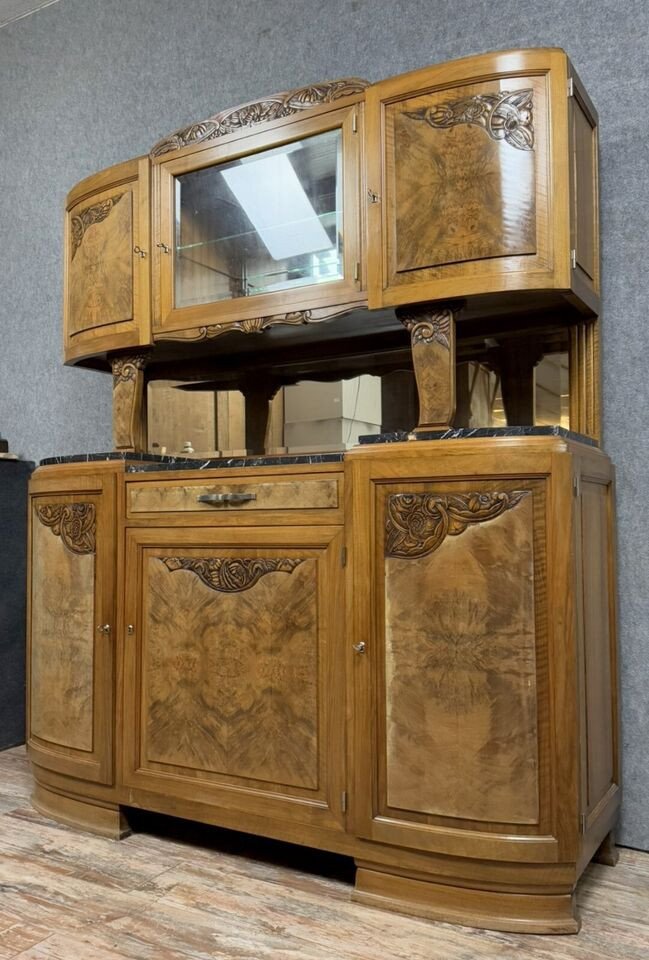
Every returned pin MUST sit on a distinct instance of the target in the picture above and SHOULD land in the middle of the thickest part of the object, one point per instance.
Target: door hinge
(354, 122)
(343, 801)
(571, 87)
(343, 556)
(573, 259)
(357, 270)
(576, 485)
(582, 823)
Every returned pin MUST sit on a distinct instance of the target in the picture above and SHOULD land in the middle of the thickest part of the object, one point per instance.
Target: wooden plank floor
(65, 895)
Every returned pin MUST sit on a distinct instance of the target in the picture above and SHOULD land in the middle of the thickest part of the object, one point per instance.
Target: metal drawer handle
(215, 499)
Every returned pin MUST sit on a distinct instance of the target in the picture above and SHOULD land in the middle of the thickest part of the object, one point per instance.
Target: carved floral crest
(86, 217)
(260, 111)
(503, 116)
(231, 575)
(418, 523)
(74, 523)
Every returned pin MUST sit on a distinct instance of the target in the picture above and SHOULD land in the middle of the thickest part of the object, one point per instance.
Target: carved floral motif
(418, 523)
(503, 116)
(260, 111)
(256, 324)
(432, 327)
(231, 575)
(89, 215)
(74, 523)
(126, 368)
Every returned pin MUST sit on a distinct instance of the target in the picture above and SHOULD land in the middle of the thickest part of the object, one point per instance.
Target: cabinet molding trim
(504, 116)
(418, 523)
(230, 575)
(260, 111)
(86, 217)
(74, 523)
(258, 324)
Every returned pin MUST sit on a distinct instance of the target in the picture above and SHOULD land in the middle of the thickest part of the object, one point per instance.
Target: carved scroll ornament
(418, 523)
(74, 523)
(230, 575)
(258, 324)
(126, 368)
(503, 116)
(260, 111)
(433, 327)
(89, 215)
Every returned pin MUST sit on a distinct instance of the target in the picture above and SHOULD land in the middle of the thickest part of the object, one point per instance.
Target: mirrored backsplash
(320, 417)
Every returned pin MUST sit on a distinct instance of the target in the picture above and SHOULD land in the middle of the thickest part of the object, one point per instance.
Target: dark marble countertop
(148, 462)
(155, 458)
(280, 460)
(467, 433)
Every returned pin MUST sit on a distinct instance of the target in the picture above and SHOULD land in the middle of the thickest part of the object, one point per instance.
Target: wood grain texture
(106, 264)
(432, 336)
(175, 497)
(101, 270)
(63, 637)
(461, 727)
(231, 678)
(459, 194)
(129, 418)
(168, 895)
(457, 210)
(599, 644)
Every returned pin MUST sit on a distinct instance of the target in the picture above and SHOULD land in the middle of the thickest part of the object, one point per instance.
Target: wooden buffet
(403, 651)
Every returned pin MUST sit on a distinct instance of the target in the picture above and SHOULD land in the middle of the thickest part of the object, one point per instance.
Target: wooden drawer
(218, 498)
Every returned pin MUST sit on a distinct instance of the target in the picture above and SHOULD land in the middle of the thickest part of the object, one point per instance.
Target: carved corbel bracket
(129, 408)
(432, 336)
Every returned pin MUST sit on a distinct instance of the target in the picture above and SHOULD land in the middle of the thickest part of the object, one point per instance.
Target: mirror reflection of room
(323, 417)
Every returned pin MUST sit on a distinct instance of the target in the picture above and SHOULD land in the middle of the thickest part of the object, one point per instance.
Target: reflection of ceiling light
(274, 200)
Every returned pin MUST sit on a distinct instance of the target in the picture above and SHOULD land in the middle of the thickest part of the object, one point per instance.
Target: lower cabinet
(428, 686)
(71, 624)
(234, 670)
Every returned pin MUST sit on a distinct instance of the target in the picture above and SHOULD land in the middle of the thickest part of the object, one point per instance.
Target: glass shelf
(270, 221)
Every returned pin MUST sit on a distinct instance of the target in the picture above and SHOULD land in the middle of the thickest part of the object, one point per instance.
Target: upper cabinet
(107, 280)
(471, 169)
(257, 215)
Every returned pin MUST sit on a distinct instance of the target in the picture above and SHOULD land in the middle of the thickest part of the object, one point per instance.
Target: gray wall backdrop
(88, 83)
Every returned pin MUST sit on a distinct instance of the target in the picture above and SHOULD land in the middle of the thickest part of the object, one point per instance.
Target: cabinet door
(263, 227)
(107, 279)
(465, 182)
(451, 697)
(234, 675)
(71, 602)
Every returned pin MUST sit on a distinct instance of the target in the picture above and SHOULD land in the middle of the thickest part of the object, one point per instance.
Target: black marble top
(466, 433)
(115, 455)
(147, 462)
(280, 460)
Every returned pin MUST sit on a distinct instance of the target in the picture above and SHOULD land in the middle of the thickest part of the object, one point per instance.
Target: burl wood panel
(230, 679)
(459, 193)
(585, 194)
(460, 664)
(101, 269)
(63, 632)
(597, 640)
(287, 495)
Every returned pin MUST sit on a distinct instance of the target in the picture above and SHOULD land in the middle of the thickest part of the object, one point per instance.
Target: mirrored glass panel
(307, 417)
(269, 221)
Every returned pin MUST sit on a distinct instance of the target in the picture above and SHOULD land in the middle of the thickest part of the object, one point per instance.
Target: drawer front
(214, 497)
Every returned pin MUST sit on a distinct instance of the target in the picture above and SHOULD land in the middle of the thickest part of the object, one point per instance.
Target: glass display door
(261, 225)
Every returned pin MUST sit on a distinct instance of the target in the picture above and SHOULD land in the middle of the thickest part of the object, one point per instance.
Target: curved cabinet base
(485, 909)
(104, 819)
